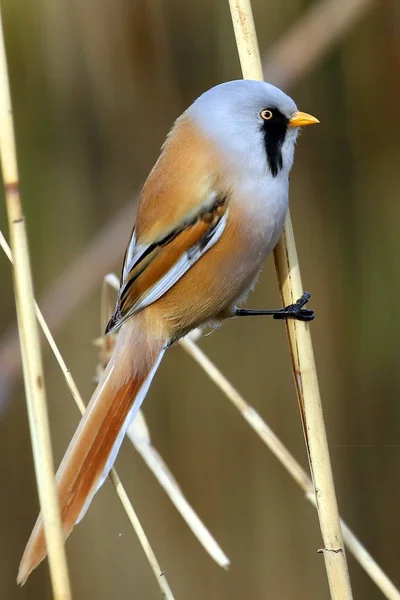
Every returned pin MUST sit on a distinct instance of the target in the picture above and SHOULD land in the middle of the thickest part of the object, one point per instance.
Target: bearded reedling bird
(210, 212)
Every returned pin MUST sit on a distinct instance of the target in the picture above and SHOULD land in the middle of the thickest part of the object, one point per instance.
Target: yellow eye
(266, 114)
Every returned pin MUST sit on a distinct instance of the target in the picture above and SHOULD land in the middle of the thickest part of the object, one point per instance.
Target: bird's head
(252, 121)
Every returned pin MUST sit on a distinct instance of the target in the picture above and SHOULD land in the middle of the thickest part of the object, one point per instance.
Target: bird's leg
(293, 311)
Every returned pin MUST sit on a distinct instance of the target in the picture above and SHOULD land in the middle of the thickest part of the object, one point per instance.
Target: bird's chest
(262, 207)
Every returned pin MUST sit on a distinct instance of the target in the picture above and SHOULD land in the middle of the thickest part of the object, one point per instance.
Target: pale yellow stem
(288, 272)
(119, 488)
(30, 344)
(265, 433)
(139, 435)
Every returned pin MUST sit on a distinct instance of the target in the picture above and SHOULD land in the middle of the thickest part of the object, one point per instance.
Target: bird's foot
(293, 311)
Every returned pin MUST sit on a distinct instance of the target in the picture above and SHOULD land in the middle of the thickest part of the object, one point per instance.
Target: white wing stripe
(132, 256)
(179, 269)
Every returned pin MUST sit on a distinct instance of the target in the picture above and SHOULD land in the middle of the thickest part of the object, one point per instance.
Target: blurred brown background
(96, 86)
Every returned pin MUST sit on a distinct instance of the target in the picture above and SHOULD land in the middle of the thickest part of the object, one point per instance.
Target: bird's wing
(151, 269)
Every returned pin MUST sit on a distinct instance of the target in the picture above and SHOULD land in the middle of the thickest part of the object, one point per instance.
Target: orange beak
(300, 119)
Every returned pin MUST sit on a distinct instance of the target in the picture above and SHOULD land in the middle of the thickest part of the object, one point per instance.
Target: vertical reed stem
(288, 272)
(30, 343)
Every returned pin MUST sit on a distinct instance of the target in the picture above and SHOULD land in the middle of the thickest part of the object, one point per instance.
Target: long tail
(96, 442)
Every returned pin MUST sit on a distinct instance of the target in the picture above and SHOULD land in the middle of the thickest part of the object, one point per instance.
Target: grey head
(249, 120)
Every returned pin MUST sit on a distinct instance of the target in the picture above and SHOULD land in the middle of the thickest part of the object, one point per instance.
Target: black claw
(304, 299)
(299, 315)
(296, 311)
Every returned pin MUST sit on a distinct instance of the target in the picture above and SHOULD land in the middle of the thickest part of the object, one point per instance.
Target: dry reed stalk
(160, 575)
(290, 463)
(117, 483)
(288, 272)
(30, 344)
(139, 435)
(119, 488)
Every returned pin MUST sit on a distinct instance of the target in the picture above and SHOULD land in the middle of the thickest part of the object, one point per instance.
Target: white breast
(263, 202)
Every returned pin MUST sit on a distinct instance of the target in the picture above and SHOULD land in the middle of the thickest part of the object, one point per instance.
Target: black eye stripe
(274, 131)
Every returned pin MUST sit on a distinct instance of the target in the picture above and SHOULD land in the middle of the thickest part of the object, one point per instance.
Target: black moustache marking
(274, 131)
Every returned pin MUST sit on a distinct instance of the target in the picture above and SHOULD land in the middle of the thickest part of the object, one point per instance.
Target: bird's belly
(227, 271)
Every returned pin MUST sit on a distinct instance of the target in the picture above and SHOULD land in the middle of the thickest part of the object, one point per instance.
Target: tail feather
(97, 440)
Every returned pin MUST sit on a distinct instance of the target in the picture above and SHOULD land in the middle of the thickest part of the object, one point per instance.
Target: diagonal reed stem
(288, 272)
(119, 488)
(30, 344)
(139, 435)
(147, 549)
(261, 428)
